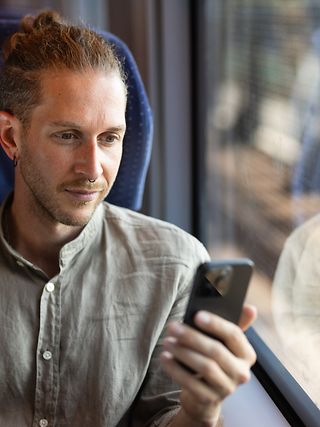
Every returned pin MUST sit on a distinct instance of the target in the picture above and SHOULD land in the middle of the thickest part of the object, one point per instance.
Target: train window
(258, 95)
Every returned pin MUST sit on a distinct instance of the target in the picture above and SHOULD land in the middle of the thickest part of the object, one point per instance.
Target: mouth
(83, 195)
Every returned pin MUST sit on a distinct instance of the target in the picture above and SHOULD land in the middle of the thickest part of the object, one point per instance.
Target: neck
(36, 238)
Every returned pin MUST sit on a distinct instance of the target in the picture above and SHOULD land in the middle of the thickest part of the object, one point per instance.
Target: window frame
(292, 401)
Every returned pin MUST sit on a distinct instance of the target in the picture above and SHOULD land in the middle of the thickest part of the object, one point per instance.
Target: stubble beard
(46, 204)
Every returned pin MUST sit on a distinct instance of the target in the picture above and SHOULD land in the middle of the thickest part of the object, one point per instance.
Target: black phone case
(220, 287)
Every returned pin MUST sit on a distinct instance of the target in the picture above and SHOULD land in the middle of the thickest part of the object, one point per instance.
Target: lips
(83, 195)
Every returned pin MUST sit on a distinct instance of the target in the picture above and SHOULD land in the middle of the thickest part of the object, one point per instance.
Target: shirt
(82, 348)
(296, 305)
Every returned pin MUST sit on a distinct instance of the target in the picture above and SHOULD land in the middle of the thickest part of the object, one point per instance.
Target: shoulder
(164, 238)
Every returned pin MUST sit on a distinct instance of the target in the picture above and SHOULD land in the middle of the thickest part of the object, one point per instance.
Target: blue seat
(129, 185)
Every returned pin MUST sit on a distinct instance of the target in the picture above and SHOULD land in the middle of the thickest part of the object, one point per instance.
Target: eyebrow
(66, 124)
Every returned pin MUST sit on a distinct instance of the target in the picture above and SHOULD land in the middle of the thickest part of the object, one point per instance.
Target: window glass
(259, 81)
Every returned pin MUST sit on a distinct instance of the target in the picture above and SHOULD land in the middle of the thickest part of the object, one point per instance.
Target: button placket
(48, 345)
(47, 355)
(50, 287)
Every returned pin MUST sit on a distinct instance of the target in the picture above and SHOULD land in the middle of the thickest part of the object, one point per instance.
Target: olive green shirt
(81, 349)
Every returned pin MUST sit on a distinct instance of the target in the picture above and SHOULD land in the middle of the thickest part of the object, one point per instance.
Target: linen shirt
(296, 305)
(81, 349)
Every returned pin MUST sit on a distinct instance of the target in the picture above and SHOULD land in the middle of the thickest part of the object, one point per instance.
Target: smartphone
(220, 287)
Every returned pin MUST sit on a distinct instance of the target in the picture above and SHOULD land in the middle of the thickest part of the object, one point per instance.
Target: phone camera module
(220, 280)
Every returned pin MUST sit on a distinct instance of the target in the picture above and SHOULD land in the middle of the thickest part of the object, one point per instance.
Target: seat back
(128, 188)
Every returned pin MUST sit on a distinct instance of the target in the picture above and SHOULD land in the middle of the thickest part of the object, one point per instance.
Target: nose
(88, 161)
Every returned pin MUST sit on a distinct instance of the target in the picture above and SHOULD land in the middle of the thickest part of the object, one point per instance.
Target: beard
(51, 203)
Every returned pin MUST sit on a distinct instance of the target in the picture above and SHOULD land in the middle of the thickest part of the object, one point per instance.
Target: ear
(9, 125)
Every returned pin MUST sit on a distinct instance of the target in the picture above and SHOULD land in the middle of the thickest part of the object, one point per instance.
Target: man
(91, 293)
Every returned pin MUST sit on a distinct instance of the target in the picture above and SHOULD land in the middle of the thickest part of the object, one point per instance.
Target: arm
(219, 367)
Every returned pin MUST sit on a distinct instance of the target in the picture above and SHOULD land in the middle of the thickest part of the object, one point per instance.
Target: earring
(15, 161)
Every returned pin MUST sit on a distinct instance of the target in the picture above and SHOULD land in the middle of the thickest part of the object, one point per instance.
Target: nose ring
(91, 180)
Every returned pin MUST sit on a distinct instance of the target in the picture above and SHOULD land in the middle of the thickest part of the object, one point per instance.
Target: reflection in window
(262, 132)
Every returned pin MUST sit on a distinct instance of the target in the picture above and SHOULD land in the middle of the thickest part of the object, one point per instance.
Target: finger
(248, 316)
(200, 389)
(191, 339)
(229, 333)
(224, 375)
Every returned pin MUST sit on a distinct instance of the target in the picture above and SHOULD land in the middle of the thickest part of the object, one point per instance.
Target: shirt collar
(87, 235)
(70, 249)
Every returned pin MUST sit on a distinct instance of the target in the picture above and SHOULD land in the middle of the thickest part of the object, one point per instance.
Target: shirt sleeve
(158, 401)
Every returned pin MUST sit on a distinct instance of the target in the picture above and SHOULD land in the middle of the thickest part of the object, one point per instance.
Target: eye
(109, 138)
(67, 135)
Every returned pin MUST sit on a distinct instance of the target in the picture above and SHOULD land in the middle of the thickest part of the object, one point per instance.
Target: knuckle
(231, 388)
(204, 398)
(209, 371)
(253, 357)
(215, 349)
(244, 376)
(227, 389)
(236, 333)
(189, 384)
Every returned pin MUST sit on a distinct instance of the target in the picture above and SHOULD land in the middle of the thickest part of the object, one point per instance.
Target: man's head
(62, 117)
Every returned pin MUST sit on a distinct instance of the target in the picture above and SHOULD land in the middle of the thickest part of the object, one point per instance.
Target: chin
(73, 220)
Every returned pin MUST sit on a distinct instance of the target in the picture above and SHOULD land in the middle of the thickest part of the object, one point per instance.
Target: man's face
(75, 135)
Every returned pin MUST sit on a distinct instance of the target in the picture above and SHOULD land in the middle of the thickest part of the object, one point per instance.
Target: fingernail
(167, 355)
(168, 342)
(203, 317)
(176, 328)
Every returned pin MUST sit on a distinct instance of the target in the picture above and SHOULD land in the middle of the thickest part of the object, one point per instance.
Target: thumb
(248, 316)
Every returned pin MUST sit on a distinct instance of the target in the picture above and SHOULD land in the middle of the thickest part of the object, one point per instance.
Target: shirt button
(43, 422)
(50, 287)
(47, 355)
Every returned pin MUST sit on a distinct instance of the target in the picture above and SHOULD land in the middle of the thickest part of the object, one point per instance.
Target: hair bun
(26, 24)
(45, 19)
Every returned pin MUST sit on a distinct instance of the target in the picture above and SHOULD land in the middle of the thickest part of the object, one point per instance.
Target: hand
(219, 364)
